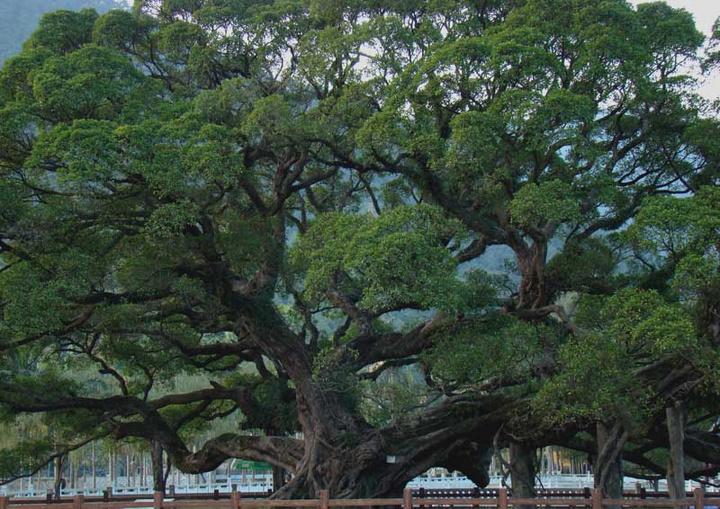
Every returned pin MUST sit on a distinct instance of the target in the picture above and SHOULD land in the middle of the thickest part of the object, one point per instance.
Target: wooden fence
(109, 496)
(408, 501)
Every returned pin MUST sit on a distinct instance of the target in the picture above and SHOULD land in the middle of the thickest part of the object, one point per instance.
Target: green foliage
(394, 396)
(334, 377)
(32, 290)
(642, 323)
(397, 260)
(120, 29)
(595, 384)
(494, 346)
(185, 192)
(16, 460)
(670, 227)
(91, 82)
(587, 266)
(682, 233)
(63, 31)
(713, 56)
(550, 201)
(601, 367)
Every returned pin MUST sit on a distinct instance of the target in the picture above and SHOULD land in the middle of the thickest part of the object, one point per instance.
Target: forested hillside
(19, 18)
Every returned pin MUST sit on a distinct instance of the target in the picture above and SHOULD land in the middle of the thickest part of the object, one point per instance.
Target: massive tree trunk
(346, 470)
(456, 435)
(522, 471)
(676, 463)
(608, 473)
(341, 453)
(376, 468)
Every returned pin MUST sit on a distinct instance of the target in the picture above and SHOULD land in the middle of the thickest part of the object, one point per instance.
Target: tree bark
(58, 471)
(112, 467)
(676, 463)
(73, 470)
(608, 474)
(158, 466)
(457, 434)
(278, 477)
(93, 461)
(522, 471)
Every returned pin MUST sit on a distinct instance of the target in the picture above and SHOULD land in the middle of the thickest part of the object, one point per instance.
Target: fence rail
(699, 500)
(559, 484)
(114, 495)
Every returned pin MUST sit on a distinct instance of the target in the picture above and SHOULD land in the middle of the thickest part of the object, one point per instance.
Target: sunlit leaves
(122, 30)
(396, 260)
(170, 220)
(64, 31)
(601, 367)
(86, 151)
(16, 74)
(551, 201)
(229, 103)
(643, 323)
(682, 234)
(91, 82)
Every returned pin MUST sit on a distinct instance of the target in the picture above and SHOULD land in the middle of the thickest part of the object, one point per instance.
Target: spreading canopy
(299, 201)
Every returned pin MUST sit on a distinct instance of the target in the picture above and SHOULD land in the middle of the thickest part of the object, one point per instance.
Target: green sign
(251, 465)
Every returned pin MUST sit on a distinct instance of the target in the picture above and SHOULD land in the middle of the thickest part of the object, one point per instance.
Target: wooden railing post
(502, 498)
(235, 497)
(324, 499)
(475, 494)
(597, 498)
(407, 498)
(699, 498)
(446, 498)
(158, 499)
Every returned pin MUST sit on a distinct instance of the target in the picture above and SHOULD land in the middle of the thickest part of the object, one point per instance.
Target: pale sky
(705, 12)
